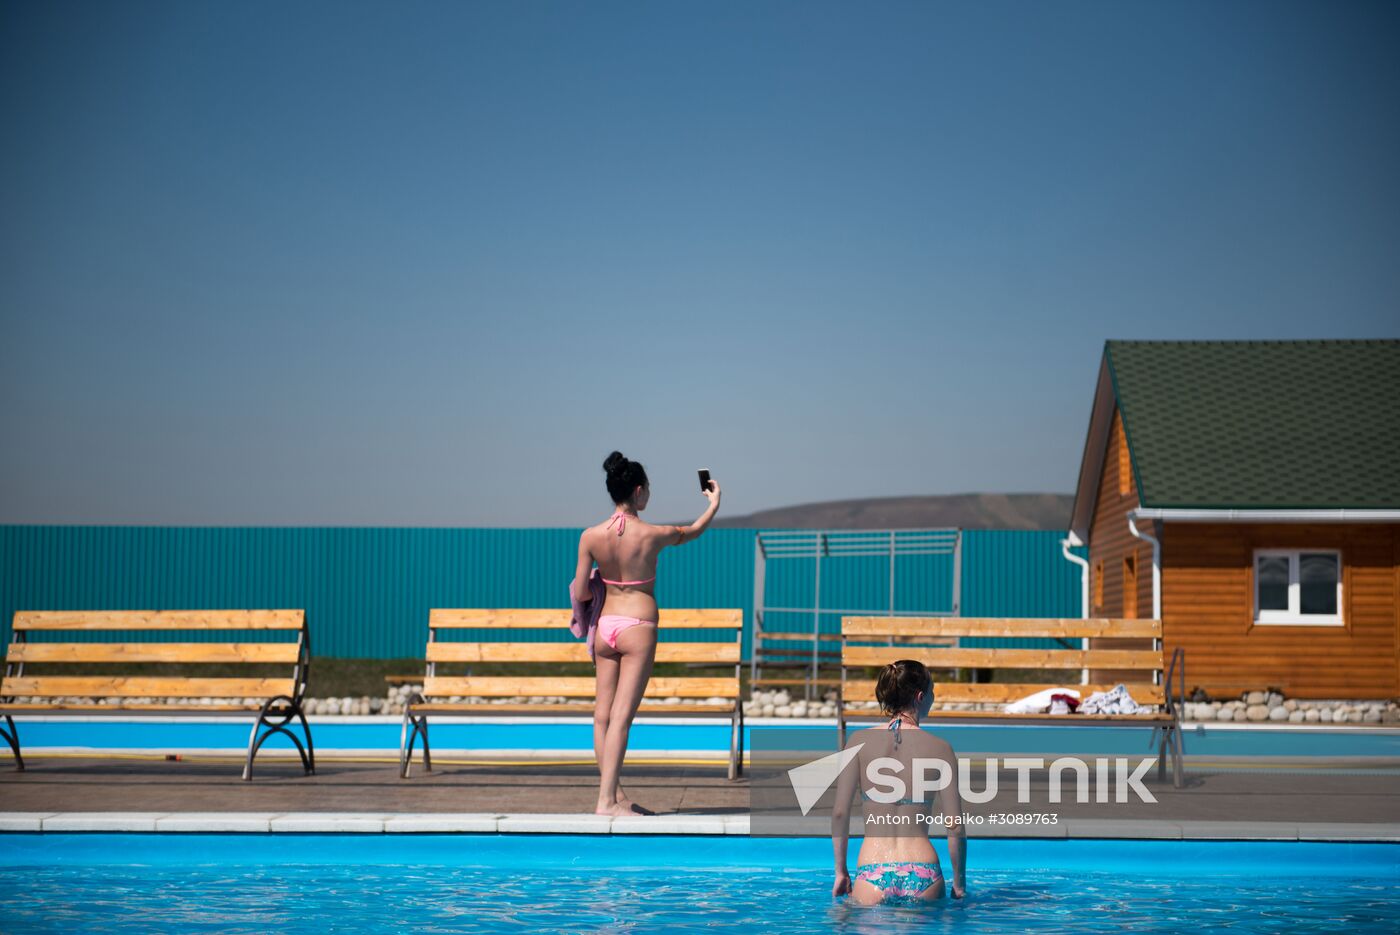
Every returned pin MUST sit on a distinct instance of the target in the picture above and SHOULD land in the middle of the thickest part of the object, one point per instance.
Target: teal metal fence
(367, 591)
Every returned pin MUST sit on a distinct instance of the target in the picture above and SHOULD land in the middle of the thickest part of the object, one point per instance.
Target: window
(1298, 587)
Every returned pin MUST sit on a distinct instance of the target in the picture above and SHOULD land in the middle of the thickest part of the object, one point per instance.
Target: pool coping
(725, 824)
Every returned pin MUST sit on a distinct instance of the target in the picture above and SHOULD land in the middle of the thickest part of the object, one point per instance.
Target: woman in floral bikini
(897, 863)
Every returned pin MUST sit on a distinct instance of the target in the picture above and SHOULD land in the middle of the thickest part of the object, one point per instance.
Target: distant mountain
(965, 510)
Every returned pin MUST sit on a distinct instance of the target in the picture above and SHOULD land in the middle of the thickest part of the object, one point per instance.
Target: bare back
(892, 832)
(629, 557)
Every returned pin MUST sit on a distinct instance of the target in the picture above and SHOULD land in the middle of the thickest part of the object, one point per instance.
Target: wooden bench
(866, 645)
(438, 689)
(278, 699)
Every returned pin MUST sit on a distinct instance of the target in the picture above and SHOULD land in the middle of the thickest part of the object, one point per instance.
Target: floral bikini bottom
(900, 881)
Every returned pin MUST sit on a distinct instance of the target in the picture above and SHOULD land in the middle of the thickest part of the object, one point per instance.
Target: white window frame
(1293, 616)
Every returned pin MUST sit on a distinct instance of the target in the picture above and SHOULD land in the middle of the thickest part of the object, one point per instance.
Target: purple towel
(584, 623)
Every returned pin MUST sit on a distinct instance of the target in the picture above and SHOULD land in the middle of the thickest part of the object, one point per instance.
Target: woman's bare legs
(623, 675)
(607, 662)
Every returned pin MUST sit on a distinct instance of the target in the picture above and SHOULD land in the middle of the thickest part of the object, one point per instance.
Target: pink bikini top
(621, 519)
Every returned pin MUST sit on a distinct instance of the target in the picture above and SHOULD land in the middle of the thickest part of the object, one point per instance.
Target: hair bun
(615, 462)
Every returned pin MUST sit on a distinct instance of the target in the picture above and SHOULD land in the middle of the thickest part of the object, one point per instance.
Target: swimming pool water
(545, 883)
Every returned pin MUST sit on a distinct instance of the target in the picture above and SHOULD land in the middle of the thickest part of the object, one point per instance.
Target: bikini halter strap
(621, 519)
(894, 725)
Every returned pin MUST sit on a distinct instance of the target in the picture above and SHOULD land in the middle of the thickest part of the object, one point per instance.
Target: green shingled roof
(1261, 424)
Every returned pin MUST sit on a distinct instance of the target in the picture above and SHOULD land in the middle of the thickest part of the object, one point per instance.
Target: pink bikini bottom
(610, 625)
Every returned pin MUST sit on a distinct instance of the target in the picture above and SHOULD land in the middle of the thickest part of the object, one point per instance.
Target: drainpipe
(1083, 564)
(1156, 567)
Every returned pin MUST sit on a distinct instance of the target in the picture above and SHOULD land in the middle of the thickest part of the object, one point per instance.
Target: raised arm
(686, 533)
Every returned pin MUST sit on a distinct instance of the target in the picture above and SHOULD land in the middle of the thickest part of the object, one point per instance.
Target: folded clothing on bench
(1053, 700)
(1114, 701)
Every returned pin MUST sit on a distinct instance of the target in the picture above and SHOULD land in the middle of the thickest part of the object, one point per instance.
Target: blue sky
(428, 263)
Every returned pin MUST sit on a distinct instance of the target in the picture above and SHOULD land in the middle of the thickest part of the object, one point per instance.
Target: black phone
(704, 480)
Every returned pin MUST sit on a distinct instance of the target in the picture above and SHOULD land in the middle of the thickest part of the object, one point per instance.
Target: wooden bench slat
(159, 619)
(1148, 659)
(683, 707)
(21, 707)
(573, 686)
(864, 690)
(797, 635)
(573, 652)
(140, 686)
(999, 716)
(153, 652)
(473, 618)
(1072, 628)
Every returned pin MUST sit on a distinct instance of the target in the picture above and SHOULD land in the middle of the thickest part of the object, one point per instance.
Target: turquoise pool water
(184, 734)
(544, 883)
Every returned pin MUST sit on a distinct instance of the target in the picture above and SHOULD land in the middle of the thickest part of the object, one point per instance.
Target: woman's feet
(622, 807)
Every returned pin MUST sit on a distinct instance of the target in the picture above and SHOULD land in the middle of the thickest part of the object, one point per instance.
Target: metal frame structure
(819, 544)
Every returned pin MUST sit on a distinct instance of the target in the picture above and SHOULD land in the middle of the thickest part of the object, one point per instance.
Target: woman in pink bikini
(625, 549)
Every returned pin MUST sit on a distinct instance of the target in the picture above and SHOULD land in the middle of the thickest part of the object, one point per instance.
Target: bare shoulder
(666, 533)
(936, 745)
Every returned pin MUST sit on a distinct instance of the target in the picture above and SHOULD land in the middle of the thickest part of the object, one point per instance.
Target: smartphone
(704, 480)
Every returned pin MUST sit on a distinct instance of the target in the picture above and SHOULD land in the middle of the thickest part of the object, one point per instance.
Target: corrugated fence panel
(367, 591)
(1018, 573)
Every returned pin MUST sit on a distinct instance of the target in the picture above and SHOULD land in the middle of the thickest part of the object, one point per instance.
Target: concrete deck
(207, 794)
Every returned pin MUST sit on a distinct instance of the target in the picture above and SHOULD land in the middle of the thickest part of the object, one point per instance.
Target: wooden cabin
(1247, 493)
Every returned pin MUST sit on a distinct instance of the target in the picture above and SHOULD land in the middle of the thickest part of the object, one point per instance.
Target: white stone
(441, 823)
(578, 823)
(1312, 715)
(216, 822)
(782, 710)
(1257, 712)
(669, 824)
(1278, 713)
(23, 821)
(323, 822)
(1254, 698)
(103, 821)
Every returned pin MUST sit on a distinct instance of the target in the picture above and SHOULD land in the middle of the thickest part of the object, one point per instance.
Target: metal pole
(816, 617)
(755, 632)
(957, 573)
(891, 572)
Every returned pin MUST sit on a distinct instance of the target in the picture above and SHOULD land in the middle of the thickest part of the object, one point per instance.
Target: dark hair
(623, 476)
(900, 682)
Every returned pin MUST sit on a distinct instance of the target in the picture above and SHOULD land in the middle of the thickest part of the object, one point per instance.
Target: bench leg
(12, 736)
(736, 741)
(1178, 766)
(310, 750)
(413, 726)
(291, 709)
